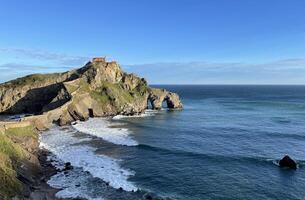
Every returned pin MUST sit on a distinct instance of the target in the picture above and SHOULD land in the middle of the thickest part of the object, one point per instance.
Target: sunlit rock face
(99, 88)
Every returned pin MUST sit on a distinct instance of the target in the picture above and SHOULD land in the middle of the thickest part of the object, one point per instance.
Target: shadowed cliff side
(98, 89)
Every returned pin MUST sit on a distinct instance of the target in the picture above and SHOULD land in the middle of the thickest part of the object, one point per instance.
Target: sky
(165, 41)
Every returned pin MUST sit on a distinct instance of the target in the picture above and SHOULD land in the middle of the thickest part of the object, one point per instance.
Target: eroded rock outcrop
(98, 89)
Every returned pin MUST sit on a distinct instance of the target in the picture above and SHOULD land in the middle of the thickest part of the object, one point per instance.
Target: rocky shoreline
(98, 89)
(38, 188)
(24, 168)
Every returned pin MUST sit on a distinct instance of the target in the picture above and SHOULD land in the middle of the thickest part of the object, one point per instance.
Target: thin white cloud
(286, 71)
(37, 54)
(285, 64)
(30, 68)
(195, 72)
(11, 71)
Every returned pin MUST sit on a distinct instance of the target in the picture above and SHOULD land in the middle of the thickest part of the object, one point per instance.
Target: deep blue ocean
(224, 144)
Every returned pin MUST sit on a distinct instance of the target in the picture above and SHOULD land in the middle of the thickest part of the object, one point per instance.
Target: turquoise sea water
(224, 144)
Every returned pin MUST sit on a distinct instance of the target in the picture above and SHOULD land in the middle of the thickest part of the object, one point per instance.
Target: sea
(224, 144)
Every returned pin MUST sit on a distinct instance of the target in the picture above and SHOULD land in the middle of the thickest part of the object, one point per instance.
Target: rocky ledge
(98, 89)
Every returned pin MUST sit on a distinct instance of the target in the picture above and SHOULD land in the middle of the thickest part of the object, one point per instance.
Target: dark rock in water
(148, 196)
(288, 162)
(68, 166)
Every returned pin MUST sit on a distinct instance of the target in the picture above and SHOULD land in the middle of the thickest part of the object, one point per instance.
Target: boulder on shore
(288, 162)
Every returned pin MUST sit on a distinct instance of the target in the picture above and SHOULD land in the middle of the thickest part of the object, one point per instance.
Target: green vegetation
(142, 88)
(10, 185)
(71, 87)
(83, 86)
(106, 95)
(116, 91)
(9, 148)
(100, 97)
(11, 155)
(27, 131)
(116, 95)
(157, 91)
(30, 79)
(112, 92)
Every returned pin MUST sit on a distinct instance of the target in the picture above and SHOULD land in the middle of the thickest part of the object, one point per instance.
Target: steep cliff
(98, 89)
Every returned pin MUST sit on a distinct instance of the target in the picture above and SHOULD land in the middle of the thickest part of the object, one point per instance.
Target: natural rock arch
(158, 96)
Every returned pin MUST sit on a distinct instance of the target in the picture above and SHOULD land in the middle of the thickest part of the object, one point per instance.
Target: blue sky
(166, 41)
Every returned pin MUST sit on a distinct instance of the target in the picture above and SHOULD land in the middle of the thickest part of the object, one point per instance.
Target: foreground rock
(21, 172)
(288, 162)
(98, 89)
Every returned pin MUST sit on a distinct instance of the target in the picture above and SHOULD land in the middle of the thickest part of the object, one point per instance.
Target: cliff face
(98, 89)
(29, 94)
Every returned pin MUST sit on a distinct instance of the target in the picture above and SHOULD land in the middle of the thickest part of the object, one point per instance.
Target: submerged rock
(288, 162)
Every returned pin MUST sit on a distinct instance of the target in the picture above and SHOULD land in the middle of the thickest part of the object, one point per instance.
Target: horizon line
(225, 84)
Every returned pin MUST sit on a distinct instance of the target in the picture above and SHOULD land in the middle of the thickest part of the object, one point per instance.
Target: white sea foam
(147, 113)
(106, 130)
(68, 148)
(72, 185)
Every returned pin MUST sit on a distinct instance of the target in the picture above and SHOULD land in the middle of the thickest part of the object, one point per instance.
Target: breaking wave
(108, 131)
(67, 147)
(147, 113)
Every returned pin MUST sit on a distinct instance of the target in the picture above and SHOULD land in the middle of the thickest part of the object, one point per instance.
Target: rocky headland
(98, 89)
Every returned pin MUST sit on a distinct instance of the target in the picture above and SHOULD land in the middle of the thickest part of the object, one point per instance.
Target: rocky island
(98, 89)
